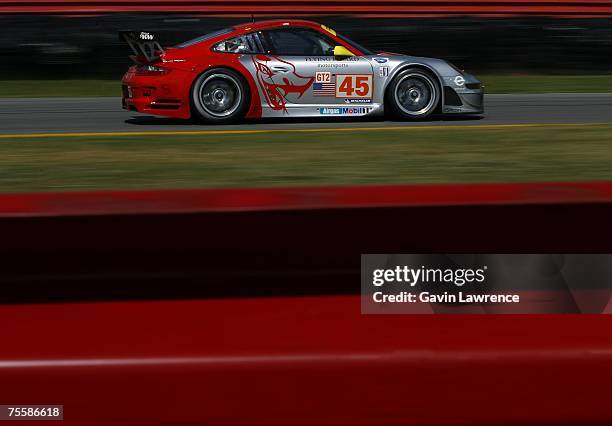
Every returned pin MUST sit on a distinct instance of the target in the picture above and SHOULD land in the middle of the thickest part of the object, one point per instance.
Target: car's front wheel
(413, 94)
(219, 96)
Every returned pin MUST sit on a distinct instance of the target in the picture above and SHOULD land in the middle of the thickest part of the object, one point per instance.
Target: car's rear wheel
(219, 96)
(414, 94)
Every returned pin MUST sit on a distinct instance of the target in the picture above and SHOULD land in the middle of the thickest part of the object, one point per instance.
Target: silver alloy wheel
(415, 94)
(220, 95)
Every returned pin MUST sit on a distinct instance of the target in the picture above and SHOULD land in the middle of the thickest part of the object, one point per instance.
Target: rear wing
(143, 44)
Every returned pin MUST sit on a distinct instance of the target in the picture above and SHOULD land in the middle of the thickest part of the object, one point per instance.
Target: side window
(249, 43)
(299, 42)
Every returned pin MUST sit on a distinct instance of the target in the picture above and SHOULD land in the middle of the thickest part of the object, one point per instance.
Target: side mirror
(342, 52)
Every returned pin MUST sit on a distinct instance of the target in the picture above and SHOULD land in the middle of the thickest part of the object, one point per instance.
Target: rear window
(205, 37)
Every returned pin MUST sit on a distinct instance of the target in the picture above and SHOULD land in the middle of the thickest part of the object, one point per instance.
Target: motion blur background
(53, 39)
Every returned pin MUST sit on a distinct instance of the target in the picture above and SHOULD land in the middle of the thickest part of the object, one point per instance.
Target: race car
(289, 68)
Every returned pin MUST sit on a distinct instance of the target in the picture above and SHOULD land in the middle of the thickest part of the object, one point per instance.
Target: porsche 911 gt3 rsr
(289, 69)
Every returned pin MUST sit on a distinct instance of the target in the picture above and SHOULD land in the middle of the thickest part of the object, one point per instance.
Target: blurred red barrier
(303, 361)
(295, 360)
(299, 198)
(307, 7)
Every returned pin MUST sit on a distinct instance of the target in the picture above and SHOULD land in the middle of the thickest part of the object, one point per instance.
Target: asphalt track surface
(85, 115)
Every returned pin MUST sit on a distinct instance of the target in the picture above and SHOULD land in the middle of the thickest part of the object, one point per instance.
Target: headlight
(453, 66)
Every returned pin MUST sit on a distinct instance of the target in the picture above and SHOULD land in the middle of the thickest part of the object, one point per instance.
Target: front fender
(397, 68)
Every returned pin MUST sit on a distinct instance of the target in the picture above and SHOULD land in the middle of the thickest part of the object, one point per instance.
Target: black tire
(414, 94)
(219, 96)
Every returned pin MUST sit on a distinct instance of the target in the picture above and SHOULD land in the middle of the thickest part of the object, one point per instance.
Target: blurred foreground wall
(57, 39)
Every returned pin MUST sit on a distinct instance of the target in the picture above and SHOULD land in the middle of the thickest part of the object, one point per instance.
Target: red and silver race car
(288, 69)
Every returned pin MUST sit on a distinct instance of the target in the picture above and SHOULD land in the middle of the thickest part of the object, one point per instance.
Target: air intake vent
(451, 98)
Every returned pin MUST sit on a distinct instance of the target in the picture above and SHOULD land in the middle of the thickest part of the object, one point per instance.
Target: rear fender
(232, 62)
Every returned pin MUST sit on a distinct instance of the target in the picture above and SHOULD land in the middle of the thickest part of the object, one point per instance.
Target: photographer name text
(412, 277)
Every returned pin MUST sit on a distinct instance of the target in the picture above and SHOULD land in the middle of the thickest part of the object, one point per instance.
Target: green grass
(516, 83)
(413, 155)
(494, 83)
(58, 88)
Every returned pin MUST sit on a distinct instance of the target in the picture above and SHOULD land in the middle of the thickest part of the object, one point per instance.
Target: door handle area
(280, 68)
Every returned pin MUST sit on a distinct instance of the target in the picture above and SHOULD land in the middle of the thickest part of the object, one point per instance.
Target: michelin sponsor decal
(357, 101)
(345, 110)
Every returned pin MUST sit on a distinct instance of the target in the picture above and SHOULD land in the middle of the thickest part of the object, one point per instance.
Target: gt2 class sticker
(354, 86)
(323, 77)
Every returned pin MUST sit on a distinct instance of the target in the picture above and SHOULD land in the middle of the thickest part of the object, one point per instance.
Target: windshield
(357, 46)
(205, 37)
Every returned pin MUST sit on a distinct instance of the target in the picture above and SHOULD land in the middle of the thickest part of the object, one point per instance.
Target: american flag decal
(325, 89)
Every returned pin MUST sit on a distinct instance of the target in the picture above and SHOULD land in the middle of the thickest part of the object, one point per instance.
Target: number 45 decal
(354, 86)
